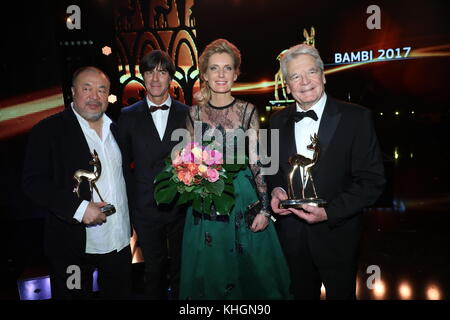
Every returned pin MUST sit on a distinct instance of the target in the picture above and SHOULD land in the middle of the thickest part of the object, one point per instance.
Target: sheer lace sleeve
(190, 121)
(252, 117)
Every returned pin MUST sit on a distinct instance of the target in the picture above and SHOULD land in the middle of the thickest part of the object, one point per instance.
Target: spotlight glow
(322, 292)
(433, 292)
(112, 98)
(405, 291)
(379, 290)
(106, 50)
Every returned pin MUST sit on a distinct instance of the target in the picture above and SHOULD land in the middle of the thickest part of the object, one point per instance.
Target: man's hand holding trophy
(311, 209)
(91, 177)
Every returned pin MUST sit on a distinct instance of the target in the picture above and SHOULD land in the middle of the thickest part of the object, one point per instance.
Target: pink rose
(211, 157)
(217, 157)
(212, 175)
(193, 168)
(185, 176)
(177, 161)
(194, 144)
(187, 157)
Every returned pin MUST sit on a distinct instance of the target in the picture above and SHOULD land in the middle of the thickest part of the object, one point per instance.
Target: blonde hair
(217, 46)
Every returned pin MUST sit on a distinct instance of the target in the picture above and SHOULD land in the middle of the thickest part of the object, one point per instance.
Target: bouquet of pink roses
(198, 174)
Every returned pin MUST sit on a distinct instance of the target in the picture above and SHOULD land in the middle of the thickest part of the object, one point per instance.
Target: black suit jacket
(349, 175)
(144, 154)
(56, 149)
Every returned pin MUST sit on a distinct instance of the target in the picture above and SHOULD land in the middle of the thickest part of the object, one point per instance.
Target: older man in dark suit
(321, 243)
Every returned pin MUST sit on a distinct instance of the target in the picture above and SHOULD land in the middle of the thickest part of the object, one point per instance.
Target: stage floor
(409, 248)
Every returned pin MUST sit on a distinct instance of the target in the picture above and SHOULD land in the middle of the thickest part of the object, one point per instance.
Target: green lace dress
(222, 258)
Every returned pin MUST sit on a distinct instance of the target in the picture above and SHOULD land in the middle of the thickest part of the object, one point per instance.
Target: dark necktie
(297, 116)
(156, 108)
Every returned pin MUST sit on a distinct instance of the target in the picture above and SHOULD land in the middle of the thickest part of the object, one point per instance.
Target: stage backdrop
(390, 56)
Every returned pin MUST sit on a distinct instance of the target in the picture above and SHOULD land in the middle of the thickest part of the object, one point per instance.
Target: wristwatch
(265, 213)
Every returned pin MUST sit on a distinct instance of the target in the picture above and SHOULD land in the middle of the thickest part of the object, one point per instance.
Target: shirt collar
(168, 102)
(317, 107)
(84, 123)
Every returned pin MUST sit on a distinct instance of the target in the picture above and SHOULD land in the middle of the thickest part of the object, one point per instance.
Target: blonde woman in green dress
(235, 256)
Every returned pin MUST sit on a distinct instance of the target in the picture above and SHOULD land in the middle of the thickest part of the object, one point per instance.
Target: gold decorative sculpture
(279, 80)
(310, 39)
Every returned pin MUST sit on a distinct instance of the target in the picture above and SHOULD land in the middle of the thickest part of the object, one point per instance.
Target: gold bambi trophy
(305, 164)
(92, 177)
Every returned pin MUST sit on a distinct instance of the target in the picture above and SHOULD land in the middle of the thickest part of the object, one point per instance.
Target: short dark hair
(157, 58)
(87, 68)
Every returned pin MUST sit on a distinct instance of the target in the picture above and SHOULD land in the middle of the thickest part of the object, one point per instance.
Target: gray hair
(294, 52)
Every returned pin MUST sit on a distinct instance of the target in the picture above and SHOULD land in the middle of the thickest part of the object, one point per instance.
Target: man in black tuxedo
(145, 130)
(79, 237)
(321, 244)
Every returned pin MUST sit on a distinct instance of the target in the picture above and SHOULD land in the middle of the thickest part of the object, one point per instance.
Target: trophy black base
(297, 203)
(108, 210)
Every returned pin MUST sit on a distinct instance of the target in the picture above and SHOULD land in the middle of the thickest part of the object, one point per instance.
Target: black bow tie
(156, 108)
(297, 116)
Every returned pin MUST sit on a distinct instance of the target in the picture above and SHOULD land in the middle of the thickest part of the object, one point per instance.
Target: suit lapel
(75, 136)
(287, 136)
(288, 146)
(147, 126)
(328, 124)
(173, 122)
(78, 152)
(114, 131)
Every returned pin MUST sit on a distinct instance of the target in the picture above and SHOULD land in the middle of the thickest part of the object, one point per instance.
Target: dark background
(412, 228)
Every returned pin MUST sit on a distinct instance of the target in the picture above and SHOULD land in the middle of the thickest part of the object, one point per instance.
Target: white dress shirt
(160, 116)
(306, 128)
(115, 233)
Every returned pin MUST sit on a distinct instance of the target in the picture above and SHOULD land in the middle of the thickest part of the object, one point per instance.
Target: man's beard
(92, 117)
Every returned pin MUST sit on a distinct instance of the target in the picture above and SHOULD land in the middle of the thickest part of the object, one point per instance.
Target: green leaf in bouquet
(229, 188)
(215, 187)
(162, 185)
(229, 178)
(233, 167)
(168, 162)
(163, 175)
(185, 197)
(206, 206)
(199, 190)
(223, 203)
(165, 192)
(189, 188)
